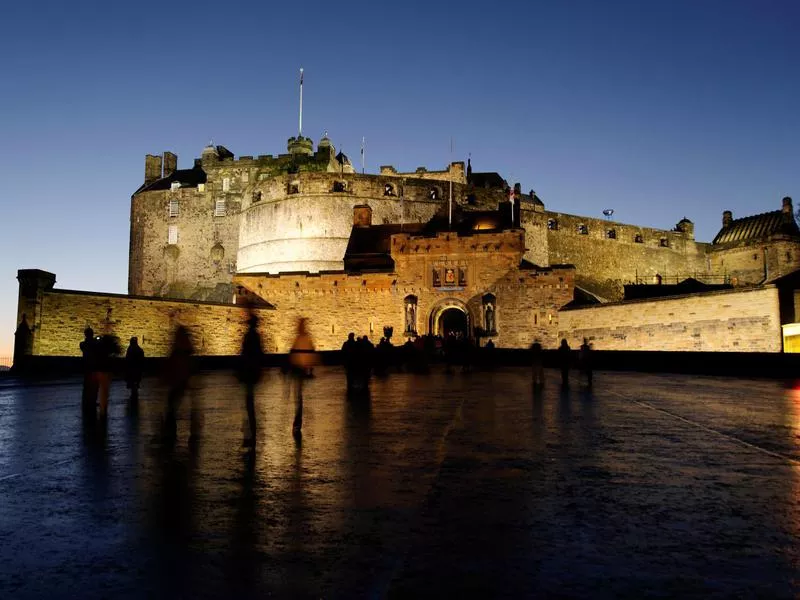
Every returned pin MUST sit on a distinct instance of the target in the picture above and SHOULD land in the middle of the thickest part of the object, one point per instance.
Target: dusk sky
(657, 109)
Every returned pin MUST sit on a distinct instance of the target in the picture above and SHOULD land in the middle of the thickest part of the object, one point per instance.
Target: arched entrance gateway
(450, 317)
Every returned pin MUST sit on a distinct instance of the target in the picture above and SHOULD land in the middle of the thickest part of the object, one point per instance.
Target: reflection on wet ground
(436, 486)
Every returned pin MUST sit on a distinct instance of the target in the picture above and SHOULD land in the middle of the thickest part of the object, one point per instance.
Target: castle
(425, 252)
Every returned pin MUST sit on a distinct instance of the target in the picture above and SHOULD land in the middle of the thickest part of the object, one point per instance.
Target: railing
(673, 279)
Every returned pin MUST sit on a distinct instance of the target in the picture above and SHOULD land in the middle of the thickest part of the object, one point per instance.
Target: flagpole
(450, 198)
(300, 133)
(362, 155)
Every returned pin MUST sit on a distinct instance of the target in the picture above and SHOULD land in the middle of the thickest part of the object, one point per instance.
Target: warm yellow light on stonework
(483, 224)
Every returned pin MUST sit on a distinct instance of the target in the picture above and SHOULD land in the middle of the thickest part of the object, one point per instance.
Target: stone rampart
(728, 321)
(216, 329)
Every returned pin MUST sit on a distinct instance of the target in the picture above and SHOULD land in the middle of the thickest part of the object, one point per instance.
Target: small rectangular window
(172, 236)
(219, 208)
(664, 243)
(201, 187)
(174, 208)
(226, 184)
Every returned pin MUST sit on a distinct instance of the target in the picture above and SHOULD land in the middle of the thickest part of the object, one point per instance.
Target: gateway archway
(450, 318)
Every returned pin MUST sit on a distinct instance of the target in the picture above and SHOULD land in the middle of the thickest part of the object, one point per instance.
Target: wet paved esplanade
(440, 486)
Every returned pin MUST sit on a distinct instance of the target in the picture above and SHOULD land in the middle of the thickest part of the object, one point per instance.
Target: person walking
(302, 358)
(537, 365)
(89, 351)
(134, 366)
(585, 360)
(564, 359)
(250, 362)
(178, 371)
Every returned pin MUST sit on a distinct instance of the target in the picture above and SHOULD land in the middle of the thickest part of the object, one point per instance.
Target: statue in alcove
(489, 318)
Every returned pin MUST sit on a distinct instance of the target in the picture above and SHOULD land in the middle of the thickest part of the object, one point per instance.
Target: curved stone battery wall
(302, 222)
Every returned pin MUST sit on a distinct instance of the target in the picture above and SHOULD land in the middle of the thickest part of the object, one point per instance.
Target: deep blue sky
(658, 109)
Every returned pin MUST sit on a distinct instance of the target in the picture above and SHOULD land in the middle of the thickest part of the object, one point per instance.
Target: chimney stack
(170, 163)
(152, 168)
(727, 218)
(787, 209)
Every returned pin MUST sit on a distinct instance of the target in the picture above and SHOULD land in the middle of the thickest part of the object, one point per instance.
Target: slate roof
(757, 227)
(487, 180)
(369, 248)
(186, 177)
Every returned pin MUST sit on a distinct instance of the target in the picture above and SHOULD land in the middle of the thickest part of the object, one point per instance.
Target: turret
(300, 145)
(686, 227)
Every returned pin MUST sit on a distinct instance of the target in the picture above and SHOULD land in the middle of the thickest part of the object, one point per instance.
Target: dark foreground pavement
(461, 486)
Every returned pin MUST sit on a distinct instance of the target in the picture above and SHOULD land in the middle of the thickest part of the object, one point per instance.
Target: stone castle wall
(201, 263)
(62, 316)
(527, 302)
(755, 263)
(604, 264)
(731, 321)
(308, 230)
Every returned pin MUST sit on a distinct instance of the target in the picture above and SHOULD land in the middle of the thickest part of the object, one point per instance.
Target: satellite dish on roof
(608, 212)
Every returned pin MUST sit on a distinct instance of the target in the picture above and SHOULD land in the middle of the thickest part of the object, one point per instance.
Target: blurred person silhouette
(537, 364)
(23, 340)
(585, 360)
(251, 360)
(348, 358)
(108, 348)
(564, 359)
(302, 358)
(134, 366)
(89, 351)
(178, 370)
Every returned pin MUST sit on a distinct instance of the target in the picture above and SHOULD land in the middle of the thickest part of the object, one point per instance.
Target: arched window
(434, 193)
(664, 243)
(388, 189)
(552, 224)
(489, 305)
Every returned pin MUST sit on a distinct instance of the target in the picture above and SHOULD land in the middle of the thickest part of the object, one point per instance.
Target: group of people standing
(100, 353)
(565, 362)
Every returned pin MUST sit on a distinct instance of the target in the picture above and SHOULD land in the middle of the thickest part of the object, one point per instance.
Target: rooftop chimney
(727, 218)
(787, 209)
(152, 168)
(170, 163)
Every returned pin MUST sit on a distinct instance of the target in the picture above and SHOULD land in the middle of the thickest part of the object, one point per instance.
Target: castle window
(220, 209)
(755, 256)
(437, 278)
(256, 196)
(294, 188)
(174, 208)
(339, 186)
(583, 229)
(788, 257)
(462, 277)
(388, 190)
(226, 184)
(637, 239)
(552, 224)
(201, 187)
(434, 193)
(175, 185)
(611, 234)
(172, 235)
(663, 242)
